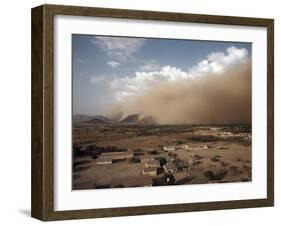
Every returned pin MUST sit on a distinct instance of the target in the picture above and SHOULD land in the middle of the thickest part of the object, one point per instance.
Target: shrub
(186, 180)
(215, 159)
(94, 156)
(178, 142)
(172, 154)
(154, 152)
(162, 160)
(76, 151)
(198, 157)
(204, 138)
(134, 160)
(197, 162)
(215, 175)
(234, 171)
(159, 181)
(169, 178)
(224, 164)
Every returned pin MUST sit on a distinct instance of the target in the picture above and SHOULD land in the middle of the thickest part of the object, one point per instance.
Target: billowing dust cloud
(212, 99)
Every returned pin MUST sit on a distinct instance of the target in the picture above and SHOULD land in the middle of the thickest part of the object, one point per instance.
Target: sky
(109, 69)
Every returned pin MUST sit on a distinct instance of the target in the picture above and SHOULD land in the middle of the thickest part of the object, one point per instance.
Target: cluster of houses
(150, 165)
(185, 147)
(231, 134)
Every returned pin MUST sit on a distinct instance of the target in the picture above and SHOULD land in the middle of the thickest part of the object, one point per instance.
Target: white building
(187, 147)
(118, 155)
(146, 158)
(153, 163)
(151, 171)
(215, 128)
(169, 148)
(190, 148)
(104, 161)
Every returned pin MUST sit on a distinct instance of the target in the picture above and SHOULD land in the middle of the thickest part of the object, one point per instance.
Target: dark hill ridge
(130, 119)
(135, 118)
(98, 119)
(81, 118)
(101, 118)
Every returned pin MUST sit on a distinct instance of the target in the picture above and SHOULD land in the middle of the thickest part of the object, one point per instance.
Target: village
(180, 162)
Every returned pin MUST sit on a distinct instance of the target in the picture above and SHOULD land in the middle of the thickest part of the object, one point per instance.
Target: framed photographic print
(141, 112)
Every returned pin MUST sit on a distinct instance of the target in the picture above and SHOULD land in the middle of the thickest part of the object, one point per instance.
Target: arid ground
(199, 154)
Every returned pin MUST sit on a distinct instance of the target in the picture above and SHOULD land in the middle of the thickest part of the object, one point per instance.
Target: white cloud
(98, 79)
(215, 63)
(150, 66)
(113, 64)
(120, 49)
(141, 81)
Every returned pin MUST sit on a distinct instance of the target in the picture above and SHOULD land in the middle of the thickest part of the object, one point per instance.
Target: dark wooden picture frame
(42, 203)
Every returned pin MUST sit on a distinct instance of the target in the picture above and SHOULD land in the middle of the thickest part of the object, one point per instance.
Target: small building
(215, 128)
(170, 167)
(204, 147)
(151, 171)
(146, 158)
(118, 155)
(226, 134)
(195, 148)
(104, 161)
(187, 147)
(169, 148)
(152, 163)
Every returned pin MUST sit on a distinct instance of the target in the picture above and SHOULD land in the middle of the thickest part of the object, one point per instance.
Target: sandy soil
(232, 164)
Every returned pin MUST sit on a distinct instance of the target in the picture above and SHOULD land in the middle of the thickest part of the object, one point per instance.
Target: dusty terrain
(201, 154)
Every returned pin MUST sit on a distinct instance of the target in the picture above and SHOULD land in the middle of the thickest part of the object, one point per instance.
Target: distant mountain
(81, 118)
(99, 119)
(135, 118)
(96, 121)
(130, 119)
